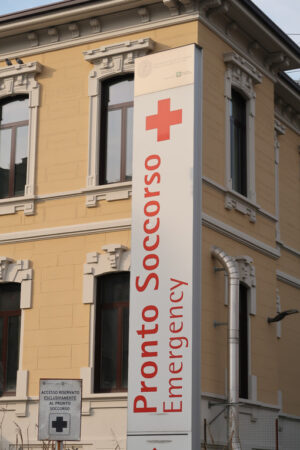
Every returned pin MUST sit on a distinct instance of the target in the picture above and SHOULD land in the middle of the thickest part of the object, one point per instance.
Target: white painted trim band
(239, 236)
(66, 231)
(288, 279)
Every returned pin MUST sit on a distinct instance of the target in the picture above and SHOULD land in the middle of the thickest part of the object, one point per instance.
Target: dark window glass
(111, 336)
(14, 117)
(243, 353)
(116, 130)
(10, 314)
(238, 143)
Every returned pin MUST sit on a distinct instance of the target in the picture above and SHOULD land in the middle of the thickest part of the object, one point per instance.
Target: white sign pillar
(165, 311)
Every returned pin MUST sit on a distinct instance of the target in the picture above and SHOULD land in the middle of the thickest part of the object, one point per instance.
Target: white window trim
(248, 278)
(116, 258)
(19, 272)
(14, 80)
(108, 61)
(243, 76)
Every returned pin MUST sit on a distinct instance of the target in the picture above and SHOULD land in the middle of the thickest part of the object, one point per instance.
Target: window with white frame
(240, 80)
(106, 289)
(247, 308)
(19, 102)
(111, 117)
(115, 150)
(15, 297)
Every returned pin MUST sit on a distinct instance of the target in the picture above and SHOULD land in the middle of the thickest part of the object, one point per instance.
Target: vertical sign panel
(164, 347)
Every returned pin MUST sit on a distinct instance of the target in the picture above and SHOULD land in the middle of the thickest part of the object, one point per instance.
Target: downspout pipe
(232, 271)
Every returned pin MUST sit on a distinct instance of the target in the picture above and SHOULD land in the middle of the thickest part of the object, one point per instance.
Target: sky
(285, 13)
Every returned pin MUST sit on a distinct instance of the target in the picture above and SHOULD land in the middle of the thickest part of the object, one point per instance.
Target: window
(244, 347)
(110, 89)
(10, 315)
(116, 130)
(19, 104)
(238, 143)
(111, 334)
(14, 119)
(241, 77)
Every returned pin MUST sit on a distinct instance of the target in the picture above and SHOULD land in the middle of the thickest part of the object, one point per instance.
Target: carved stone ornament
(232, 202)
(115, 253)
(4, 263)
(116, 257)
(114, 59)
(247, 270)
(241, 74)
(20, 79)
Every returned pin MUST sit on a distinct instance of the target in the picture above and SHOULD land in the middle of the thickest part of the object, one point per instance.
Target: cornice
(20, 69)
(74, 25)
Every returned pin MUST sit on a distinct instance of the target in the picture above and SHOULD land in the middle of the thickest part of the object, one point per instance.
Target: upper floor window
(10, 315)
(111, 333)
(14, 120)
(238, 143)
(241, 77)
(116, 130)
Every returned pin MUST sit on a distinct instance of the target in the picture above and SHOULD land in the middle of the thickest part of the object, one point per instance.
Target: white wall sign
(165, 314)
(60, 410)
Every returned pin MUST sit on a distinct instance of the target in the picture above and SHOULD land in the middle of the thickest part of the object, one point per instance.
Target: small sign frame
(60, 409)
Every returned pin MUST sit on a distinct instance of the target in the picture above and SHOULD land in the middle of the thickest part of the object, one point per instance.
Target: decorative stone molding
(95, 25)
(223, 8)
(14, 80)
(53, 33)
(173, 6)
(116, 257)
(248, 278)
(277, 62)
(19, 272)
(233, 202)
(108, 61)
(4, 263)
(110, 193)
(243, 76)
(33, 39)
(243, 73)
(74, 28)
(115, 252)
(144, 14)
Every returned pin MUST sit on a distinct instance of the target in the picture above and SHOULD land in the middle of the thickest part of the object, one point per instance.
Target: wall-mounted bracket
(218, 324)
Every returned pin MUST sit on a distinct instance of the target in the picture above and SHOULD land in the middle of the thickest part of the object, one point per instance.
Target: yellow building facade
(67, 228)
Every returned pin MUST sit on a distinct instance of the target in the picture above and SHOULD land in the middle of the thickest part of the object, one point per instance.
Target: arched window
(14, 120)
(238, 143)
(116, 130)
(10, 314)
(244, 344)
(111, 333)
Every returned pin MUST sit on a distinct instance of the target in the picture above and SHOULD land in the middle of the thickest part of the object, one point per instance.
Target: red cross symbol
(163, 119)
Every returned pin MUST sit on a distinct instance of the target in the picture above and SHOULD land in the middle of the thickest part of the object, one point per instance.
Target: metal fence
(257, 432)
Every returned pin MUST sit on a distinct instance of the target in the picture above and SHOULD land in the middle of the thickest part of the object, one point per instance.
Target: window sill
(102, 401)
(108, 192)
(14, 204)
(19, 404)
